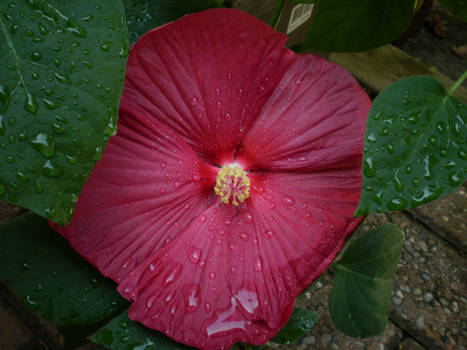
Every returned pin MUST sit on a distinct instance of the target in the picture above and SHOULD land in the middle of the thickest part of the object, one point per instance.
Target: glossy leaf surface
(60, 85)
(53, 280)
(359, 301)
(415, 146)
(144, 15)
(123, 334)
(301, 321)
(348, 25)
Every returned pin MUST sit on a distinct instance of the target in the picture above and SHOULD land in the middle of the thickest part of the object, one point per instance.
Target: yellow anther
(232, 184)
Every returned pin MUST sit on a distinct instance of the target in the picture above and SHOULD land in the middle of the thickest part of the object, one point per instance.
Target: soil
(435, 51)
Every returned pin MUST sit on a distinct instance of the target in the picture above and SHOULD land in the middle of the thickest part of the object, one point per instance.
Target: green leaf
(457, 7)
(123, 334)
(61, 77)
(349, 25)
(359, 301)
(299, 323)
(42, 269)
(415, 146)
(143, 15)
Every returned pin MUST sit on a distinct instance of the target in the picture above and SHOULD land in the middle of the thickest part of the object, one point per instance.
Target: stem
(277, 14)
(457, 83)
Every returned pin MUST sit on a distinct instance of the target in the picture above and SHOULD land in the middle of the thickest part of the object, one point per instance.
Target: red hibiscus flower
(231, 182)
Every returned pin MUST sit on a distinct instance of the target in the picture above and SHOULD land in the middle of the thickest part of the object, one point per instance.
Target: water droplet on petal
(258, 264)
(192, 297)
(172, 275)
(288, 201)
(194, 254)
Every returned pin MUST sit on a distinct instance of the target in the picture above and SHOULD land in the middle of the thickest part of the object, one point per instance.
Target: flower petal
(146, 188)
(315, 119)
(234, 274)
(185, 288)
(207, 76)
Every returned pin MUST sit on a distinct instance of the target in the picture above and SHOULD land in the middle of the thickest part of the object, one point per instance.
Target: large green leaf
(42, 269)
(415, 146)
(301, 321)
(457, 7)
(357, 25)
(359, 301)
(143, 15)
(123, 334)
(62, 65)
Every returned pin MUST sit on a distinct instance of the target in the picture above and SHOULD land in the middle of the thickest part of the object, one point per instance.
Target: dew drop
(50, 213)
(51, 104)
(58, 128)
(212, 275)
(51, 169)
(269, 233)
(62, 78)
(202, 218)
(194, 254)
(105, 47)
(172, 275)
(75, 29)
(207, 307)
(397, 204)
(44, 144)
(258, 264)
(398, 184)
(36, 56)
(194, 101)
(71, 159)
(390, 148)
(10, 158)
(31, 104)
(244, 236)
(163, 164)
(368, 167)
(455, 178)
(22, 176)
(288, 201)
(192, 297)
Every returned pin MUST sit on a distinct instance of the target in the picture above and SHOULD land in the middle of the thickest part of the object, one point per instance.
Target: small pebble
(428, 297)
(381, 346)
(397, 301)
(454, 306)
(420, 323)
(326, 338)
(417, 291)
(318, 285)
(399, 294)
(309, 340)
(447, 311)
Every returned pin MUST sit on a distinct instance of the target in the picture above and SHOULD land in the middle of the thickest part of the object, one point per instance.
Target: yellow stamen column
(232, 184)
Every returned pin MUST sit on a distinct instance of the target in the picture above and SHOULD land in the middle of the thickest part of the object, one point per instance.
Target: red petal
(315, 119)
(207, 76)
(189, 289)
(146, 189)
(234, 274)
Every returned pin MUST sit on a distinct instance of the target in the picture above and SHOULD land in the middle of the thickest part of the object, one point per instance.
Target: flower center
(232, 184)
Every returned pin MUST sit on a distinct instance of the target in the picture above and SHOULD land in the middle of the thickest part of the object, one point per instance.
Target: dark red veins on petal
(207, 76)
(314, 120)
(144, 191)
